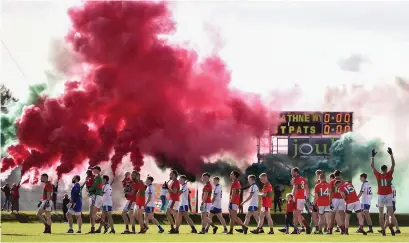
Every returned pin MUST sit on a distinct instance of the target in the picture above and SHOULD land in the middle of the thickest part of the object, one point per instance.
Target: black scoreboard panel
(296, 123)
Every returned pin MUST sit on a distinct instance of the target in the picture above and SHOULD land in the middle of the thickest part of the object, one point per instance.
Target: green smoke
(8, 129)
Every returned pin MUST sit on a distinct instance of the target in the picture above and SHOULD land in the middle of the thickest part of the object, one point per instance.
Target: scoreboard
(314, 123)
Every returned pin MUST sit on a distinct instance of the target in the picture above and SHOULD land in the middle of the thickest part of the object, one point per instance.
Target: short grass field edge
(32, 232)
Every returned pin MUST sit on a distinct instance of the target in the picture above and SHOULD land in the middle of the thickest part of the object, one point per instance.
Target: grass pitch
(32, 232)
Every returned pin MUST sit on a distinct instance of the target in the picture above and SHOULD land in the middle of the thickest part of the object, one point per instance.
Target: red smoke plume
(139, 95)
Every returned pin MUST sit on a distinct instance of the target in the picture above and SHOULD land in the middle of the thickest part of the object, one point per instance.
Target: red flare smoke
(140, 95)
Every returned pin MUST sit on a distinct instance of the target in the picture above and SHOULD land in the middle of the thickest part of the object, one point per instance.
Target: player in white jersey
(106, 217)
(365, 196)
(253, 205)
(184, 205)
(150, 204)
(217, 203)
(393, 219)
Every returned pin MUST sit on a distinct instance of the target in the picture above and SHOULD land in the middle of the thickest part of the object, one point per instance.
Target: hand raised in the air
(374, 152)
(389, 151)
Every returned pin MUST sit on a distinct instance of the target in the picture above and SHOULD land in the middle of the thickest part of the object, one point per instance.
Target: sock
(304, 222)
(133, 228)
(144, 225)
(172, 227)
(271, 229)
(159, 226)
(70, 227)
(127, 227)
(203, 229)
(397, 227)
(316, 228)
(79, 228)
(370, 227)
(361, 227)
(346, 230)
(193, 227)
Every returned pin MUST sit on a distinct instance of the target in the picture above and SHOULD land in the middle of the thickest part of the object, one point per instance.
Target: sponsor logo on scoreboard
(310, 147)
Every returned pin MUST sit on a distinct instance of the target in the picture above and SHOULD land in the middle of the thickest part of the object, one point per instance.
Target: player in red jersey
(385, 194)
(46, 205)
(266, 203)
(314, 211)
(323, 201)
(129, 204)
(173, 188)
(132, 194)
(337, 204)
(348, 192)
(300, 189)
(234, 203)
(206, 204)
(140, 202)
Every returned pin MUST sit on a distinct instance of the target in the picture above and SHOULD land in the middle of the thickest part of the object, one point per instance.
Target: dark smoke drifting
(140, 96)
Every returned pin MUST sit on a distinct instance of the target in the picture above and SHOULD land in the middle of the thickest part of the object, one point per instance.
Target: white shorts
(385, 201)
(72, 212)
(300, 204)
(129, 206)
(338, 204)
(47, 209)
(95, 200)
(205, 208)
(137, 207)
(356, 206)
(173, 205)
(324, 209)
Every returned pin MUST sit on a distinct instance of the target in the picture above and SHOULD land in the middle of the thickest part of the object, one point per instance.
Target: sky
(269, 46)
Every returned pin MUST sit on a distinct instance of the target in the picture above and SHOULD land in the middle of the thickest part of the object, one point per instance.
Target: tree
(6, 98)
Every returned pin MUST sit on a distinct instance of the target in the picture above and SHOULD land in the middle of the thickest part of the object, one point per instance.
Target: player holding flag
(385, 194)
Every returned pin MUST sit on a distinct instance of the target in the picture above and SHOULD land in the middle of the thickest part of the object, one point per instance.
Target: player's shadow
(17, 234)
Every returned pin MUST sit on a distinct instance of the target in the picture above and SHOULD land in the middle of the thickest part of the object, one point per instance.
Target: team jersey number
(384, 182)
(301, 185)
(325, 192)
(350, 189)
(369, 190)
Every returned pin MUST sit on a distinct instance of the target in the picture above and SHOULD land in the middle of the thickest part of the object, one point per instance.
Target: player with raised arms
(130, 203)
(234, 203)
(217, 203)
(206, 204)
(366, 197)
(150, 204)
(323, 201)
(385, 194)
(338, 204)
(75, 205)
(266, 201)
(252, 210)
(95, 199)
(300, 189)
(348, 192)
(173, 188)
(46, 204)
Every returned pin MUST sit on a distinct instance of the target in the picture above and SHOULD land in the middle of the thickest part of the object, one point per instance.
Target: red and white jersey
(323, 192)
(384, 182)
(299, 184)
(350, 193)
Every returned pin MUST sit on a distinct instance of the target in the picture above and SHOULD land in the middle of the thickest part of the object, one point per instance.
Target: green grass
(32, 232)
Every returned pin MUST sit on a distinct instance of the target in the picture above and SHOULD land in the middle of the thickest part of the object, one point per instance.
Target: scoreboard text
(314, 123)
